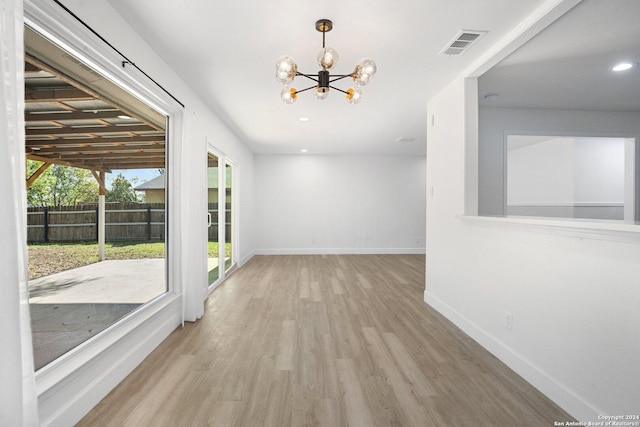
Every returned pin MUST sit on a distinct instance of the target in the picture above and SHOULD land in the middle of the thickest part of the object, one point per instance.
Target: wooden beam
(147, 148)
(115, 166)
(73, 115)
(107, 155)
(56, 95)
(89, 130)
(64, 106)
(94, 141)
(58, 161)
(108, 163)
(105, 164)
(37, 173)
(99, 176)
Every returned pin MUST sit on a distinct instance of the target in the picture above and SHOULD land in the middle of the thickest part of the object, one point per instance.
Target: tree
(61, 186)
(122, 190)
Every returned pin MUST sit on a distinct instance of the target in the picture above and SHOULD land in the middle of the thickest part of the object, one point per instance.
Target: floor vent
(461, 42)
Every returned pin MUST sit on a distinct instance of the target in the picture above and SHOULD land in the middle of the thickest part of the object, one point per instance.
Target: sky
(141, 175)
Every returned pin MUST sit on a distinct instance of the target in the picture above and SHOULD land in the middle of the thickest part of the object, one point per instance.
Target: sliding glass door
(213, 219)
(228, 182)
(220, 224)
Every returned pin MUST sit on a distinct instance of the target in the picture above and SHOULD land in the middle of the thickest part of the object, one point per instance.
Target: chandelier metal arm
(339, 90)
(337, 77)
(305, 89)
(298, 73)
(340, 77)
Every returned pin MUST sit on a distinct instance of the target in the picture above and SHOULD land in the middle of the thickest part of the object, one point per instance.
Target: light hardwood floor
(331, 340)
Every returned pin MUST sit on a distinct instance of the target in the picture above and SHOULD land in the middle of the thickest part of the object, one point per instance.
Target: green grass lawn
(50, 258)
(115, 250)
(213, 250)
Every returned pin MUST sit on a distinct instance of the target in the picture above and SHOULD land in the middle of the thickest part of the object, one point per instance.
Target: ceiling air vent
(462, 41)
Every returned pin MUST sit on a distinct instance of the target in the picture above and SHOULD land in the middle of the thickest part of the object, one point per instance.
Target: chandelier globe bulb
(286, 69)
(354, 95)
(328, 58)
(288, 95)
(364, 71)
(320, 94)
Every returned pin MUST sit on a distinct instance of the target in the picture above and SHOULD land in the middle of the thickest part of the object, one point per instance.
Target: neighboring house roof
(156, 183)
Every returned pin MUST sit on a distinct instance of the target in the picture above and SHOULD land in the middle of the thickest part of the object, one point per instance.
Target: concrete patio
(69, 307)
(131, 281)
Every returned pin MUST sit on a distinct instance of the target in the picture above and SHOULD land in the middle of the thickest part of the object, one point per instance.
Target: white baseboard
(242, 261)
(576, 406)
(340, 251)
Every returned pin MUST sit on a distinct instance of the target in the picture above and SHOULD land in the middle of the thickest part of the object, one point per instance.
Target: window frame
(81, 377)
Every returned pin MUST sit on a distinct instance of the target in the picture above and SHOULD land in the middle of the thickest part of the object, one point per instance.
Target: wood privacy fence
(124, 222)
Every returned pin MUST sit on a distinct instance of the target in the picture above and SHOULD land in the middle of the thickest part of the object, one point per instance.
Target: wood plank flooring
(331, 340)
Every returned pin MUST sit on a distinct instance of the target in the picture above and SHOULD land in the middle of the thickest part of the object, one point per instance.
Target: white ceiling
(569, 64)
(226, 51)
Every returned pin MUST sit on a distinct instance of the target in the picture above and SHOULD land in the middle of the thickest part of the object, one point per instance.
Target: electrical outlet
(508, 320)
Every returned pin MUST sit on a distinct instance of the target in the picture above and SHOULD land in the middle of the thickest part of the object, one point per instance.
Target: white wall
(572, 177)
(541, 173)
(340, 204)
(599, 168)
(495, 122)
(574, 299)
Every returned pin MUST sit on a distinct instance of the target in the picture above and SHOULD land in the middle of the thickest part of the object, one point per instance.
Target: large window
(96, 162)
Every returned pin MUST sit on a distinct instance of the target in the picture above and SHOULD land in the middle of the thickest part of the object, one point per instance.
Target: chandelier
(287, 71)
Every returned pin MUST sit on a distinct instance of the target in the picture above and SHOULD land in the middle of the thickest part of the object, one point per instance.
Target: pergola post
(99, 176)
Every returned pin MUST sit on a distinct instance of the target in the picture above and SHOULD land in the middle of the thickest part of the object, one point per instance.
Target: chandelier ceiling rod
(287, 71)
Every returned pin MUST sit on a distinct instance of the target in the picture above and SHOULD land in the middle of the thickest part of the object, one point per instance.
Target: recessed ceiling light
(304, 150)
(304, 119)
(623, 66)
(406, 139)
(123, 117)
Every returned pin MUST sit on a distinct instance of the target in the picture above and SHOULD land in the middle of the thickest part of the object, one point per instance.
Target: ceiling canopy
(76, 117)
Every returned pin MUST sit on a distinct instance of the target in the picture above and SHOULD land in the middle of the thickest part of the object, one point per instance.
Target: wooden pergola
(76, 117)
